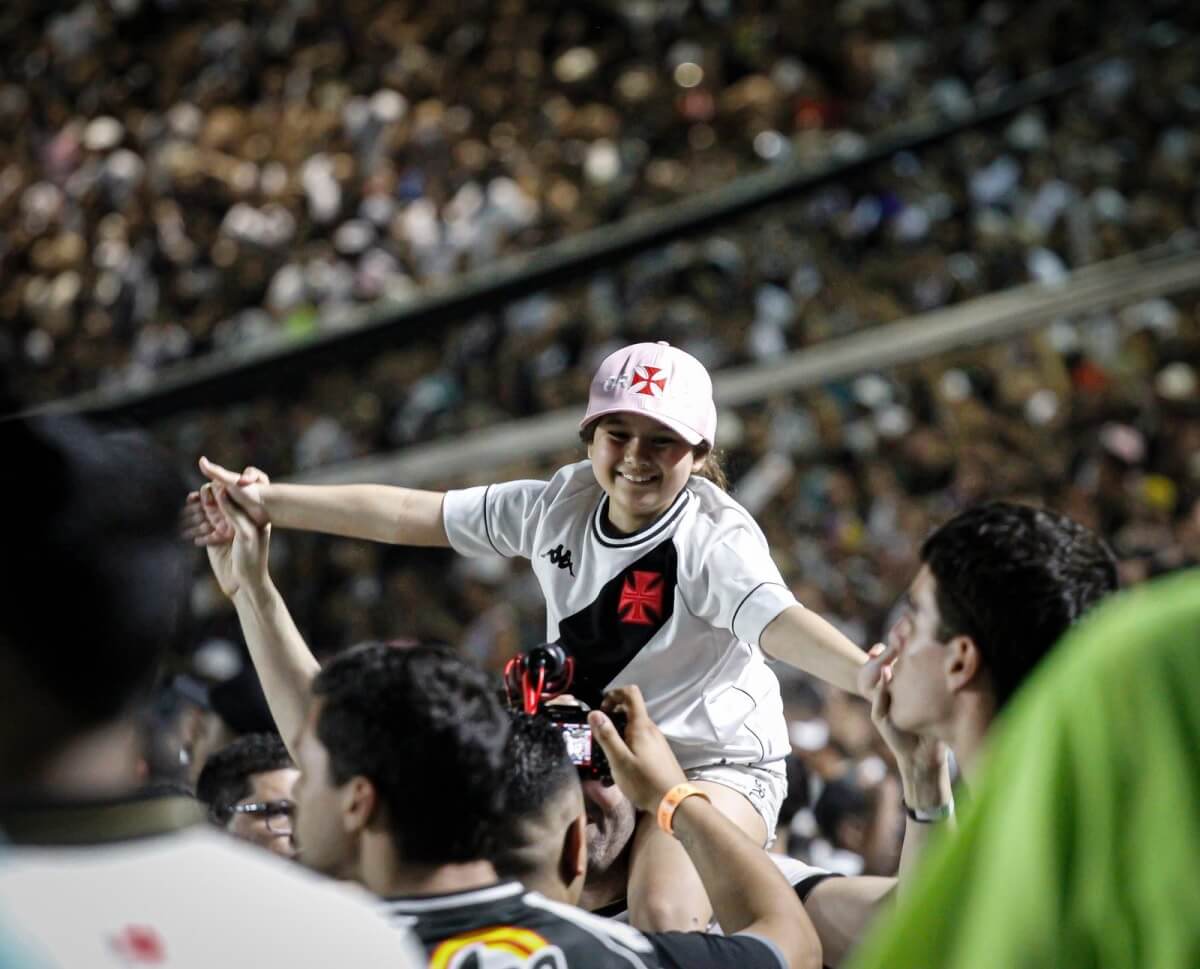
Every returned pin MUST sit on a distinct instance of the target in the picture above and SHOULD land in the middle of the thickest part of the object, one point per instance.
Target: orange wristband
(671, 801)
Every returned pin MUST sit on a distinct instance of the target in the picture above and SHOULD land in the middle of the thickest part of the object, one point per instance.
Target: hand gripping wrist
(671, 801)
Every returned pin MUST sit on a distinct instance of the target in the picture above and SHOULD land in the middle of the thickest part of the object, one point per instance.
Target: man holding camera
(379, 720)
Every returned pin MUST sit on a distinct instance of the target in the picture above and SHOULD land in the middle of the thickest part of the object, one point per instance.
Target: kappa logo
(561, 557)
(641, 602)
(646, 380)
(503, 947)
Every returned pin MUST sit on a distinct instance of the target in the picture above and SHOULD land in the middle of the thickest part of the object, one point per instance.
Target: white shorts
(764, 787)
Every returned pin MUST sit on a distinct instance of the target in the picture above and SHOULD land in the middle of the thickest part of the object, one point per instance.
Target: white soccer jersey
(185, 899)
(676, 608)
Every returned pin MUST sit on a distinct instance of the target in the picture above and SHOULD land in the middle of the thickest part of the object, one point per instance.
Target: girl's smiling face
(642, 465)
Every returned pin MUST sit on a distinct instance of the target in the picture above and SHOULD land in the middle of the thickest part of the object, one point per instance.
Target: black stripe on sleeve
(733, 621)
(487, 530)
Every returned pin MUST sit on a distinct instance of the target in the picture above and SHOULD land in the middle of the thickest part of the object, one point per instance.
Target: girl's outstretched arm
(801, 638)
(381, 513)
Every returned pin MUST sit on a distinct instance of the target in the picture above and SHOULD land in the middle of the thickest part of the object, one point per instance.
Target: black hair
(537, 770)
(714, 458)
(798, 790)
(241, 704)
(1014, 578)
(95, 576)
(429, 732)
(225, 779)
(537, 765)
(840, 799)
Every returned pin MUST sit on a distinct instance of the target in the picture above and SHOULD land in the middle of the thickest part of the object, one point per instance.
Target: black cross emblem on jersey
(627, 613)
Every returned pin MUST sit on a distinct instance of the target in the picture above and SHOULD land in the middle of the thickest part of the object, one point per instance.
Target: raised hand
(244, 561)
(220, 551)
(642, 763)
(201, 521)
(920, 758)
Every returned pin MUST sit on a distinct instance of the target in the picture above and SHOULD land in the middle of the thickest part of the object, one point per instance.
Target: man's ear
(572, 862)
(964, 663)
(359, 801)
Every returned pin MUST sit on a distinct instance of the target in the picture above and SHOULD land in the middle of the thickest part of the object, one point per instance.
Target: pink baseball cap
(660, 381)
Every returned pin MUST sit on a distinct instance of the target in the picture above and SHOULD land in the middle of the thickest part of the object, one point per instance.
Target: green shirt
(1081, 847)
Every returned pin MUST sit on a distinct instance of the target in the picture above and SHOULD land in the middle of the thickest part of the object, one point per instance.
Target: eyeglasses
(276, 814)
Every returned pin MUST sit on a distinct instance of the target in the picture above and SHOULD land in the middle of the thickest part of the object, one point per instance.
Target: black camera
(542, 673)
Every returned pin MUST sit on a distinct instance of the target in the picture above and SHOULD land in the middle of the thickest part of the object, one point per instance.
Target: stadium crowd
(531, 836)
(1096, 417)
(259, 174)
(857, 473)
(221, 175)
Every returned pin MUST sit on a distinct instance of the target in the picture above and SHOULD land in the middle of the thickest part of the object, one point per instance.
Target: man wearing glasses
(247, 787)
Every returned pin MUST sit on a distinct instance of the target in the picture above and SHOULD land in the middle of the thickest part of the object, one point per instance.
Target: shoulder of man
(528, 928)
(87, 906)
(712, 950)
(606, 931)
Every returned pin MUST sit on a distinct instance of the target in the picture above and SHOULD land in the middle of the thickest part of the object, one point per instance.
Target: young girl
(652, 575)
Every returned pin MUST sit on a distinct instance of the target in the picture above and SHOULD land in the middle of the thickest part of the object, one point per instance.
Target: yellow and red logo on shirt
(498, 947)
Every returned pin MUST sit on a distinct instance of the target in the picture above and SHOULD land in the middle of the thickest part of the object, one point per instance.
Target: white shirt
(676, 608)
(188, 899)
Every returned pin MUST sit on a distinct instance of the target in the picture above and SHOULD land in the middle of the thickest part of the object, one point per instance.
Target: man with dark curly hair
(247, 786)
(999, 585)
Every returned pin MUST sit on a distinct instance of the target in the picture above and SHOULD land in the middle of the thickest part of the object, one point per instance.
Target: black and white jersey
(676, 608)
(504, 926)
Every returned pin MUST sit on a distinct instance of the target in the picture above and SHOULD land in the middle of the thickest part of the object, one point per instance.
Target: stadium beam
(222, 378)
(1161, 271)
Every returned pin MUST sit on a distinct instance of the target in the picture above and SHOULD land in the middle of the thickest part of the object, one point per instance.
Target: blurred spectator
(457, 138)
(247, 787)
(796, 801)
(92, 861)
(1000, 584)
(214, 715)
(188, 179)
(1077, 848)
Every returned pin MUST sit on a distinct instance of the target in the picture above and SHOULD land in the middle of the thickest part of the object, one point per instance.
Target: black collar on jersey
(654, 529)
(418, 904)
(67, 821)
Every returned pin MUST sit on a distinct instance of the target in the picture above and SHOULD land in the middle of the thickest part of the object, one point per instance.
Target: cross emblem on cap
(646, 381)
